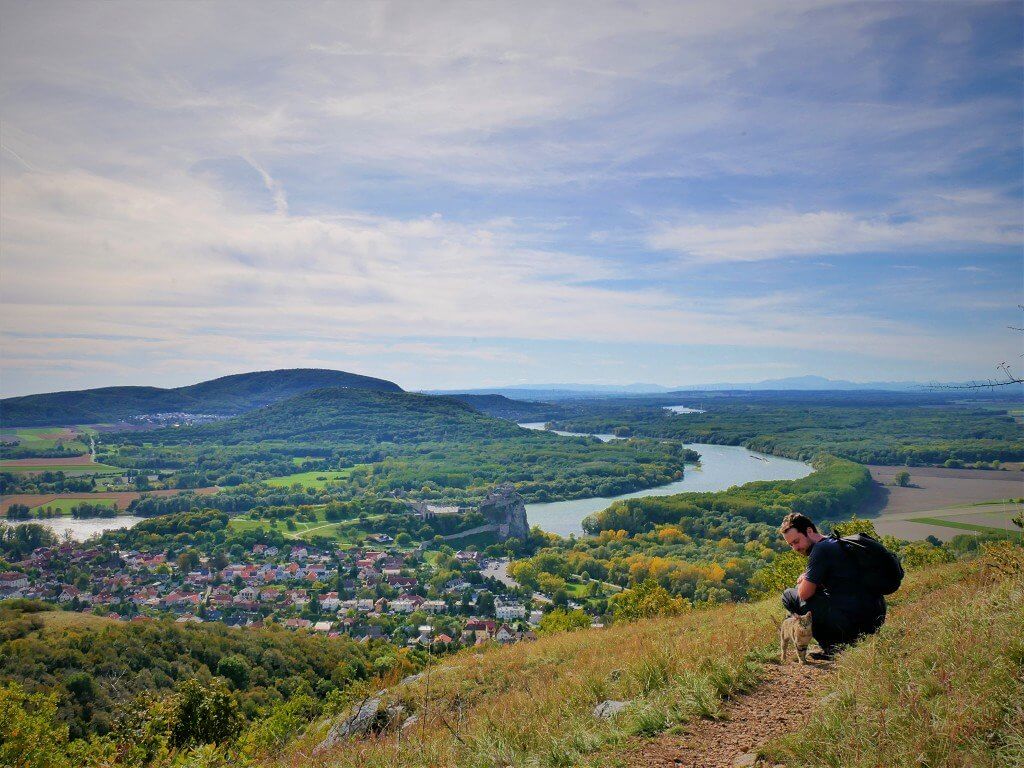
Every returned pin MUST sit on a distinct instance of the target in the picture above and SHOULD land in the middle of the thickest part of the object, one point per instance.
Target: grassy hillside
(941, 685)
(532, 704)
(224, 396)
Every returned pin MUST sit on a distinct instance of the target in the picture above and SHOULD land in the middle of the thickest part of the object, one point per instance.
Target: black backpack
(880, 568)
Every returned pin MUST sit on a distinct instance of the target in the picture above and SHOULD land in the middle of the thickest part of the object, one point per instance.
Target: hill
(347, 415)
(99, 666)
(225, 396)
(939, 685)
(503, 407)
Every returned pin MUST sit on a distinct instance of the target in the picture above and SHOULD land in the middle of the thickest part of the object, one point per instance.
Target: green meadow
(311, 480)
(64, 506)
(70, 470)
(346, 533)
(967, 526)
(41, 438)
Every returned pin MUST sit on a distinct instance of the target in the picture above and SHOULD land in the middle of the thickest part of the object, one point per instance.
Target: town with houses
(363, 593)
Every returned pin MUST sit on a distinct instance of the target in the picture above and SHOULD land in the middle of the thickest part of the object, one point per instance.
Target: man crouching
(831, 589)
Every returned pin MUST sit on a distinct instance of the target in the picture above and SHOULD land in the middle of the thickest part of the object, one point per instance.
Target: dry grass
(942, 685)
(532, 704)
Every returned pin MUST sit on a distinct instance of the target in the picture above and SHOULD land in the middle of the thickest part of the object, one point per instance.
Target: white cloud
(760, 235)
(175, 267)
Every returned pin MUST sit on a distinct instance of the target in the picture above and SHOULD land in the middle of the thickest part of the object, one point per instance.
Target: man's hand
(804, 588)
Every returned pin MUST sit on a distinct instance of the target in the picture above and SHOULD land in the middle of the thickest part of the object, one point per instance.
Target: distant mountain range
(803, 383)
(226, 396)
(817, 383)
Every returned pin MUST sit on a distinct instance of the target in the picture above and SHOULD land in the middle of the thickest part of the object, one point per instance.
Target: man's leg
(792, 603)
(830, 627)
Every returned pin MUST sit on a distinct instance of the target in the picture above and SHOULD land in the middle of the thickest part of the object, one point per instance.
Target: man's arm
(818, 566)
(805, 589)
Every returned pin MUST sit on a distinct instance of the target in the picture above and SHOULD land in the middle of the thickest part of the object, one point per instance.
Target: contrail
(273, 187)
(19, 158)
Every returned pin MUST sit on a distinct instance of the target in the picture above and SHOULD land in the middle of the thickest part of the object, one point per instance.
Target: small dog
(796, 631)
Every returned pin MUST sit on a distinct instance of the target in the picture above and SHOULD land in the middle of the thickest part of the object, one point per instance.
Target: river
(539, 426)
(721, 467)
(81, 529)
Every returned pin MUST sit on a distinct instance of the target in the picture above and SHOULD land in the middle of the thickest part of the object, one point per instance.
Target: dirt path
(779, 705)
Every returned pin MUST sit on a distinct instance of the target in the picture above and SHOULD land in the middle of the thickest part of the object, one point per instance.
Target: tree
(646, 601)
(485, 604)
(203, 715)
(16, 541)
(561, 620)
(902, 479)
(188, 561)
(18, 512)
(855, 525)
(30, 732)
(236, 669)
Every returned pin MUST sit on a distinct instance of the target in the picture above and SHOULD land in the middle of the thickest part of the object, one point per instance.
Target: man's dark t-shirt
(834, 571)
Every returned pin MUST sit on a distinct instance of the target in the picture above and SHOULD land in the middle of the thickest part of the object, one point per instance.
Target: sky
(457, 195)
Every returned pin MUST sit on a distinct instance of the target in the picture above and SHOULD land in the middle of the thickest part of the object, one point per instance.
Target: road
(498, 569)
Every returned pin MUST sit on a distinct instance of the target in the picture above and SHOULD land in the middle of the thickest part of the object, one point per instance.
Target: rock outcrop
(505, 509)
(608, 709)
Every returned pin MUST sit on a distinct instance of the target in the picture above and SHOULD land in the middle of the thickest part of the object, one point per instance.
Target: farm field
(970, 496)
(938, 487)
(45, 438)
(961, 525)
(311, 480)
(975, 498)
(64, 506)
(71, 466)
(121, 498)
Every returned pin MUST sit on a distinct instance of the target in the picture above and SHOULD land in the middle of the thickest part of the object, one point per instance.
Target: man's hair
(796, 520)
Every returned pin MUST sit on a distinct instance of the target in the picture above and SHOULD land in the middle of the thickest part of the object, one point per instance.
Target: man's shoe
(822, 655)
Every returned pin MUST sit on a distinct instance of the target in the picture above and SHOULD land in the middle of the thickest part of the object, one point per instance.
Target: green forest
(103, 669)
(417, 445)
(911, 431)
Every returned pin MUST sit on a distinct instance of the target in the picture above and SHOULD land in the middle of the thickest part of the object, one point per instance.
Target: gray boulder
(358, 722)
(609, 708)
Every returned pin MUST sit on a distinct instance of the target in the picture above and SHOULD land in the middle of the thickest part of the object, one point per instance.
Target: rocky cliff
(504, 508)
